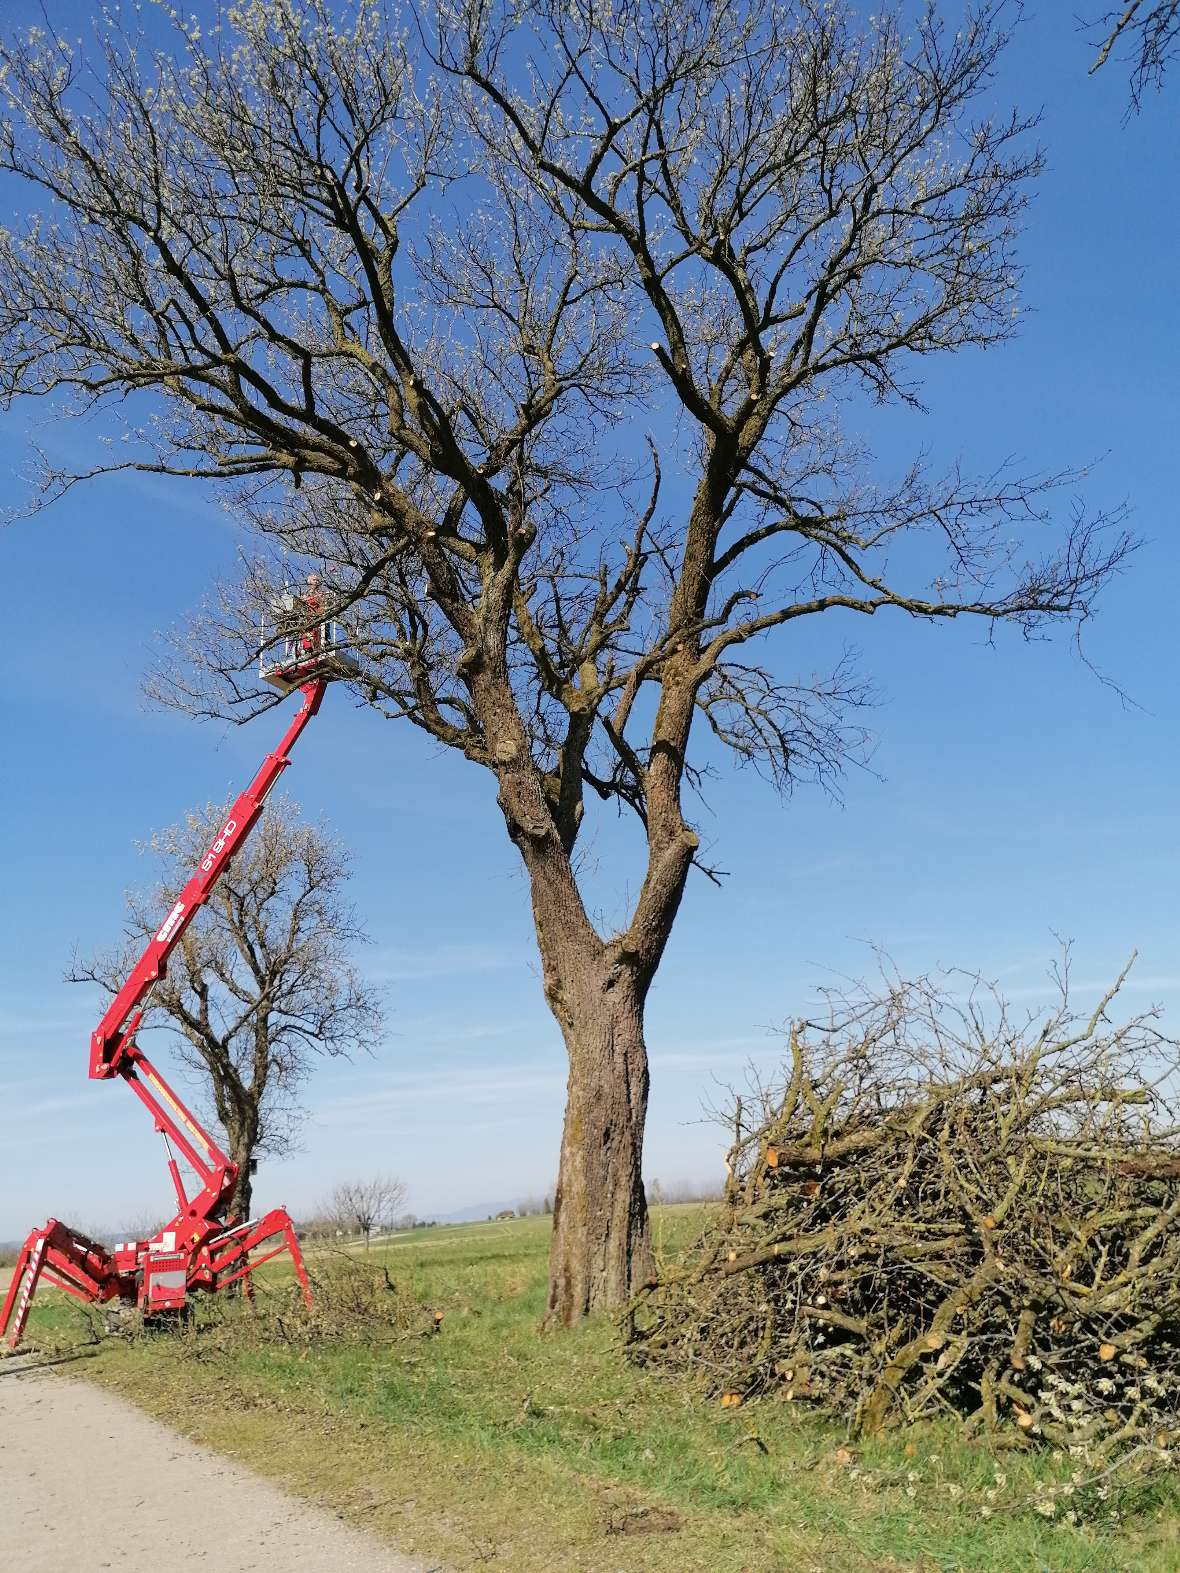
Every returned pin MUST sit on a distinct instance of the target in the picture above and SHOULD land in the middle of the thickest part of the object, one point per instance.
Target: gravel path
(88, 1482)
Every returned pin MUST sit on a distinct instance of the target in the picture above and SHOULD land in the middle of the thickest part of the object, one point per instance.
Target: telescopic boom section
(114, 1036)
(113, 1049)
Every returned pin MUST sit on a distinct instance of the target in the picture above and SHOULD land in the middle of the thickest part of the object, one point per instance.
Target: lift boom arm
(113, 1050)
(116, 1031)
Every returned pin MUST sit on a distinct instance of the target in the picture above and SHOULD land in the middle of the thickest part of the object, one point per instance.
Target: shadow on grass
(22, 1364)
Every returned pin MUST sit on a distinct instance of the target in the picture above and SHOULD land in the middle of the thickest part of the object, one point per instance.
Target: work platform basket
(302, 642)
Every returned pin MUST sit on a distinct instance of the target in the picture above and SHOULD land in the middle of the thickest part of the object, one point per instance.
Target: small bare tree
(417, 288)
(263, 979)
(369, 1204)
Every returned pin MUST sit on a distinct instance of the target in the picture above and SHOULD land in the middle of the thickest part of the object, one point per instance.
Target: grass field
(488, 1446)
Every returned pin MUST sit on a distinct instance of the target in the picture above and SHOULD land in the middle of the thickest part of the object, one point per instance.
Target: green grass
(492, 1446)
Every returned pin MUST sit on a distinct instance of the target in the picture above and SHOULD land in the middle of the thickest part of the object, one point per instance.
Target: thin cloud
(477, 1032)
(510, 1085)
(33, 1025)
(738, 1052)
(441, 961)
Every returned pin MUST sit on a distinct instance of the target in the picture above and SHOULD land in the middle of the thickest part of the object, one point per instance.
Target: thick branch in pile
(944, 1211)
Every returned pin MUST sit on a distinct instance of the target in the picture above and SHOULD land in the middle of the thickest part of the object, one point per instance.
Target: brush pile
(352, 1302)
(946, 1211)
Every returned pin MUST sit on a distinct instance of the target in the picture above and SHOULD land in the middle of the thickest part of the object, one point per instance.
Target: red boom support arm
(118, 1025)
(113, 1050)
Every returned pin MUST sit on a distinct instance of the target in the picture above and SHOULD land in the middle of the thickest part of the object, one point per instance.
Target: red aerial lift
(202, 1247)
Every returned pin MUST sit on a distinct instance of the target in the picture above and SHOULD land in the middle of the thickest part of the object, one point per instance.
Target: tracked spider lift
(202, 1247)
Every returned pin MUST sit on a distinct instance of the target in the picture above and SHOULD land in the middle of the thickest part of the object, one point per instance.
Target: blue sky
(1019, 798)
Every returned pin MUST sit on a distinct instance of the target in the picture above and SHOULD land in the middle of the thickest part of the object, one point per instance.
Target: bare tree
(1150, 29)
(263, 979)
(417, 288)
(369, 1204)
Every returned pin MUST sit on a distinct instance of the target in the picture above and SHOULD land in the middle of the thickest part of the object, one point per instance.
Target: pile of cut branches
(945, 1210)
(352, 1302)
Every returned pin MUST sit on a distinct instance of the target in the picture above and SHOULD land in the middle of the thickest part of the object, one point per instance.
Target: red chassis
(202, 1247)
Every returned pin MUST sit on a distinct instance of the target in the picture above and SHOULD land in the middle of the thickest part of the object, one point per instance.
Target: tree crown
(415, 286)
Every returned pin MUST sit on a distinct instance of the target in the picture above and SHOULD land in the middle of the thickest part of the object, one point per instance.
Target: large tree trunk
(241, 1150)
(243, 1194)
(601, 1250)
(601, 1247)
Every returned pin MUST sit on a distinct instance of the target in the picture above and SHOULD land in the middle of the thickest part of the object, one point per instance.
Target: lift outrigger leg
(65, 1260)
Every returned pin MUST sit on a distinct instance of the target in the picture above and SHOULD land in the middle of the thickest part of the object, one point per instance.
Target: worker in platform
(315, 605)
